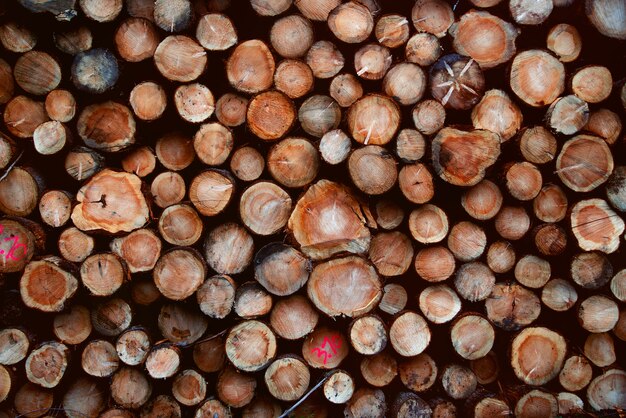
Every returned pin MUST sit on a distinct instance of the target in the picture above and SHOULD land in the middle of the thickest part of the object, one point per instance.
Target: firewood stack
(312, 208)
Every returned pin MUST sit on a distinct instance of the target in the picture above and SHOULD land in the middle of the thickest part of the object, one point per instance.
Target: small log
(194, 102)
(139, 249)
(6, 383)
(230, 109)
(162, 405)
(537, 145)
(423, 49)
(280, 269)
(95, 71)
(391, 253)
(101, 11)
(20, 239)
(163, 361)
(216, 296)
(325, 348)
(457, 82)
(252, 301)
(103, 273)
(559, 295)
(180, 58)
(526, 12)
(346, 89)
(501, 256)
(434, 264)
(7, 85)
(596, 226)
(50, 137)
(537, 355)
(180, 225)
(511, 306)
(567, 115)
(512, 222)
(14, 345)
(247, 163)
(293, 162)
(392, 30)
(410, 145)
(31, 397)
(72, 326)
(228, 249)
(270, 115)
(606, 124)
(189, 387)
(130, 388)
(585, 162)
(523, 180)
(173, 15)
(389, 215)
(324, 59)
(486, 368)
(335, 146)
(112, 202)
(591, 270)
(73, 40)
(148, 101)
(216, 32)
(23, 115)
(394, 299)
(179, 273)
(140, 161)
(250, 346)
(472, 336)
(212, 407)
(17, 38)
(74, 245)
(482, 201)
(565, 41)
(604, 391)
(408, 404)
(19, 192)
(82, 163)
(351, 22)
(530, 89)
(428, 224)
(608, 17)
(270, 7)
(462, 157)
(368, 334)
(458, 381)
(405, 82)
(339, 387)
(144, 292)
(107, 126)
(99, 358)
(136, 39)
(537, 403)
(46, 364)
(429, 116)
(292, 36)
(484, 37)
(474, 281)
(175, 151)
(251, 58)
(211, 191)
(293, 318)
(576, 373)
(491, 407)
(600, 349)
(111, 317)
(598, 314)
(319, 114)
(132, 346)
(550, 239)
(287, 378)
(409, 334)
(373, 119)
(366, 402)
(37, 73)
(439, 304)
(209, 355)
(372, 169)
(46, 286)
(372, 61)
(316, 9)
(550, 205)
(497, 113)
(432, 16)
(618, 285)
(467, 241)
(418, 373)
(294, 78)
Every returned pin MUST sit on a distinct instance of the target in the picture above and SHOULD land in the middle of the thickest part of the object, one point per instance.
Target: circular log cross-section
(287, 378)
(457, 82)
(537, 355)
(585, 162)
(46, 286)
(250, 346)
(280, 269)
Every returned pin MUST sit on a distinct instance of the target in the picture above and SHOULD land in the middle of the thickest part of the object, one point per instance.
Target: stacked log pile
(312, 208)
